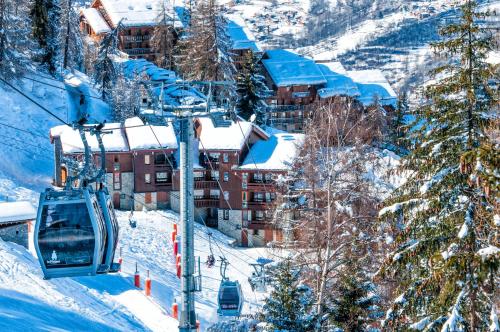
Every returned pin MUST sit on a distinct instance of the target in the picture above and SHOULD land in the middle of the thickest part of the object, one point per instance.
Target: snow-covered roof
(373, 83)
(146, 137)
(138, 12)
(114, 140)
(240, 35)
(337, 81)
(95, 20)
(224, 138)
(276, 153)
(287, 68)
(16, 211)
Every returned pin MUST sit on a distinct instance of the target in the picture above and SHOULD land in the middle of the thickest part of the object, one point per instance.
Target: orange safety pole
(147, 285)
(178, 259)
(174, 235)
(175, 228)
(137, 277)
(176, 248)
(175, 310)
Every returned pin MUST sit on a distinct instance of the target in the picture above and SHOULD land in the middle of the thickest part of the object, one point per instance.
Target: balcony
(205, 184)
(201, 202)
(259, 183)
(138, 51)
(286, 108)
(133, 39)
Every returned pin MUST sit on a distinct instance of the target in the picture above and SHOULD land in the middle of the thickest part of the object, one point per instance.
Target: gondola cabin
(70, 233)
(230, 298)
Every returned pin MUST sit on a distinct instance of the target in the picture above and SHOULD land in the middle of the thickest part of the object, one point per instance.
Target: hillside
(111, 302)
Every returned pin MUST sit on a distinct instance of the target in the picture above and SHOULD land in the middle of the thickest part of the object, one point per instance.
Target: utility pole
(187, 322)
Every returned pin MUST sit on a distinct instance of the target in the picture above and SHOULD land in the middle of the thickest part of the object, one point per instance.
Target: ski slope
(111, 302)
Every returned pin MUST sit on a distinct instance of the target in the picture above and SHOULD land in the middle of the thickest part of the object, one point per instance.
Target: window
(244, 196)
(258, 197)
(214, 175)
(225, 157)
(256, 232)
(257, 177)
(226, 195)
(268, 197)
(225, 214)
(214, 193)
(160, 159)
(226, 176)
(244, 180)
(116, 167)
(198, 175)
(147, 178)
(147, 198)
(268, 177)
(117, 181)
(259, 215)
(162, 177)
(199, 193)
(147, 159)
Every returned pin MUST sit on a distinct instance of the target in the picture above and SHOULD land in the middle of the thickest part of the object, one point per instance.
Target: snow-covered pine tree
(104, 68)
(205, 49)
(15, 42)
(163, 39)
(398, 128)
(447, 258)
(288, 307)
(126, 96)
(45, 16)
(355, 306)
(70, 38)
(252, 90)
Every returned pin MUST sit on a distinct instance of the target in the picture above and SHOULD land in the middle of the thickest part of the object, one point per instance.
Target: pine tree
(288, 307)
(104, 69)
(15, 43)
(205, 49)
(45, 16)
(252, 90)
(398, 129)
(126, 95)
(446, 258)
(355, 306)
(163, 39)
(70, 38)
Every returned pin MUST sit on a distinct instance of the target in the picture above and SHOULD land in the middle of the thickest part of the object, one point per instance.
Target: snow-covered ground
(111, 302)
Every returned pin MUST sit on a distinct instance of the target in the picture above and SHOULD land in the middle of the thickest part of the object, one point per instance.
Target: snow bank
(371, 84)
(16, 211)
(488, 252)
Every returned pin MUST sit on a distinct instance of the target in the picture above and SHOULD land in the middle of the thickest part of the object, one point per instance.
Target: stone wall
(17, 233)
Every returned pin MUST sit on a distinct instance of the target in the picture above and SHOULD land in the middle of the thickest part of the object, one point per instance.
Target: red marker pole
(176, 248)
(174, 235)
(179, 270)
(147, 285)
(137, 277)
(175, 310)
(120, 260)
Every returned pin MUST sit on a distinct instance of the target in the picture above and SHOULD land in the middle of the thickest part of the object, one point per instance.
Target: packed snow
(111, 302)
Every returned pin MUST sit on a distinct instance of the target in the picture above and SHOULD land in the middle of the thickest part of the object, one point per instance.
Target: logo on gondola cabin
(53, 258)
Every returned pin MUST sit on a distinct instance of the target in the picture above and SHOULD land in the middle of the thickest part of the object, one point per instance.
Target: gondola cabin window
(66, 236)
